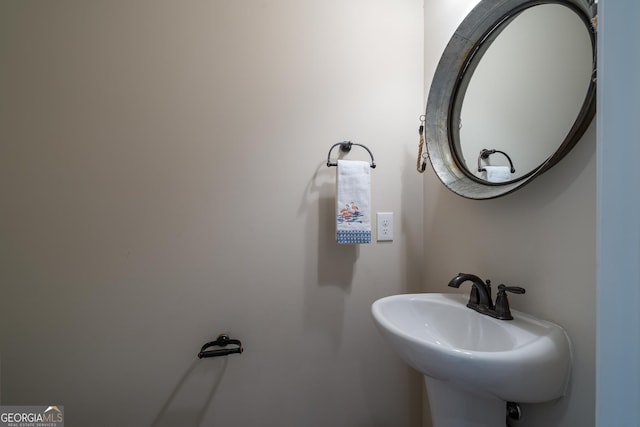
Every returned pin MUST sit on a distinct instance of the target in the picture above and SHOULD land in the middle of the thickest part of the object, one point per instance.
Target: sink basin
(475, 358)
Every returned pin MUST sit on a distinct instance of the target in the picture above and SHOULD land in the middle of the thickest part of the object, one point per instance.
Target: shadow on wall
(329, 267)
(182, 407)
(412, 204)
(335, 262)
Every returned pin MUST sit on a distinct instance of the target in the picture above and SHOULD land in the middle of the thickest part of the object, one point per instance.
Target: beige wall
(541, 237)
(163, 180)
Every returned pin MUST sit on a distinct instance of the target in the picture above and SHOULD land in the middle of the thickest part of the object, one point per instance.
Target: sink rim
(521, 322)
(543, 364)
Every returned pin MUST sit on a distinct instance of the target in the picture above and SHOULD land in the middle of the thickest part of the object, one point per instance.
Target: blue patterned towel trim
(354, 236)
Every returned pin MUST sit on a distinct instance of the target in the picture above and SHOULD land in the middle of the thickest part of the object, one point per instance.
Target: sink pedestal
(452, 406)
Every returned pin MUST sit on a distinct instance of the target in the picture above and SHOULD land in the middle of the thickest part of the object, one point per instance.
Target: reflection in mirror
(517, 80)
(527, 91)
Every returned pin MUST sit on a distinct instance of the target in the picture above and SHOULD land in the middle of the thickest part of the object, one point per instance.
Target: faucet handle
(513, 289)
(502, 309)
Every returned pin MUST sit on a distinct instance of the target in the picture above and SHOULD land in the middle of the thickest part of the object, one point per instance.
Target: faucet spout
(480, 293)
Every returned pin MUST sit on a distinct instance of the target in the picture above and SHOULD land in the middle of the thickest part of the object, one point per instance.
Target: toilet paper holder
(484, 155)
(223, 340)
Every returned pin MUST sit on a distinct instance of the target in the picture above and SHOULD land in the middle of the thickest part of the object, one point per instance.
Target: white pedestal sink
(473, 364)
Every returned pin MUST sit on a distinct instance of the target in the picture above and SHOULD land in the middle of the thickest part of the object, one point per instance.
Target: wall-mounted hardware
(345, 147)
(222, 341)
(423, 155)
(484, 155)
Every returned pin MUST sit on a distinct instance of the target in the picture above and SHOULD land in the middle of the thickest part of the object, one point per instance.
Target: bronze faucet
(480, 299)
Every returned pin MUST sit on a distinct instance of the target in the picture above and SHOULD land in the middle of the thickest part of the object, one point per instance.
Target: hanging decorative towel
(353, 202)
(498, 173)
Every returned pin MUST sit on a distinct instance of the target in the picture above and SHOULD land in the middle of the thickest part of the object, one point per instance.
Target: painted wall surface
(542, 237)
(163, 180)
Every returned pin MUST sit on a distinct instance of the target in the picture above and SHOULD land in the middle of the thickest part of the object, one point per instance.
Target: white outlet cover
(384, 226)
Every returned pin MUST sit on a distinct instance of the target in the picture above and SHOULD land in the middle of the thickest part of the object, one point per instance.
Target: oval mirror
(513, 92)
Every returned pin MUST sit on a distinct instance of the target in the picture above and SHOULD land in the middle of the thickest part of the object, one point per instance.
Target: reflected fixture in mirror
(516, 78)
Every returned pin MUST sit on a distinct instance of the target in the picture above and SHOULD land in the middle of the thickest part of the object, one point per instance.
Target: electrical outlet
(384, 226)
